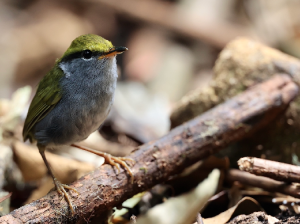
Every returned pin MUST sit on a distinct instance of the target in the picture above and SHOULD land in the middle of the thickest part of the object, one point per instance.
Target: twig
(275, 170)
(262, 182)
(156, 161)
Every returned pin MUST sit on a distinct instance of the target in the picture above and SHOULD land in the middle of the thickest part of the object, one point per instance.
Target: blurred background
(172, 45)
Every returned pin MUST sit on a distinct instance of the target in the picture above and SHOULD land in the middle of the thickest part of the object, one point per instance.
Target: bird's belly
(88, 122)
(70, 122)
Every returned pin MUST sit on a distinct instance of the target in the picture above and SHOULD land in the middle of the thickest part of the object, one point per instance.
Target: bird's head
(89, 56)
(91, 46)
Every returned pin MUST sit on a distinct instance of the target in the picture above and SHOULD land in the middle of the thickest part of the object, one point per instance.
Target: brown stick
(262, 182)
(156, 161)
(275, 170)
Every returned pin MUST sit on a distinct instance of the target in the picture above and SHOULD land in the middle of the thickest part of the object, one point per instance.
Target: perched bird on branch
(74, 99)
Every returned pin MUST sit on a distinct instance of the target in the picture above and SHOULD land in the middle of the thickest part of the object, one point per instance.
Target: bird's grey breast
(87, 95)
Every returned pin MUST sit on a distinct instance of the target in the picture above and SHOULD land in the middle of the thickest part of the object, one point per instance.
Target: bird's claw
(117, 161)
(61, 190)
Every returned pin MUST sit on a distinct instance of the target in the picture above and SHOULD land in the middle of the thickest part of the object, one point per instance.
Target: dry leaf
(245, 206)
(183, 209)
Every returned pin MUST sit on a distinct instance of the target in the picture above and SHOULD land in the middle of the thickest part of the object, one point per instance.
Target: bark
(157, 160)
(262, 182)
(275, 170)
(242, 64)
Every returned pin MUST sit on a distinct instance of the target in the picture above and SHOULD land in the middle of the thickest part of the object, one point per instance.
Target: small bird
(73, 100)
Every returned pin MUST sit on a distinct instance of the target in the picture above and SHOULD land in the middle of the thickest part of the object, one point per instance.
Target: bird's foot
(117, 161)
(112, 160)
(61, 189)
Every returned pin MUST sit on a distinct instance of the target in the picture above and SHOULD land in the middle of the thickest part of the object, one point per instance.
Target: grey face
(88, 88)
(87, 70)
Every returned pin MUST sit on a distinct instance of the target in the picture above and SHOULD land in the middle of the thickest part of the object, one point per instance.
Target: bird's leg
(59, 186)
(109, 159)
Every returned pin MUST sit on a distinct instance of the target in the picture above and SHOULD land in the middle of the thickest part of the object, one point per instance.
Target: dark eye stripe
(80, 55)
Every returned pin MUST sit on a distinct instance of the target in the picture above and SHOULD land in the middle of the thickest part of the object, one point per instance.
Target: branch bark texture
(156, 161)
(275, 170)
(262, 182)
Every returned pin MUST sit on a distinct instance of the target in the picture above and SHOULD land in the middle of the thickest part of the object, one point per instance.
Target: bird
(73, 99)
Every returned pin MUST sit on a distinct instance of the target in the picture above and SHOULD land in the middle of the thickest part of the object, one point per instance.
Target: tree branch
(262, 182)
(272, 169)
(157, 160)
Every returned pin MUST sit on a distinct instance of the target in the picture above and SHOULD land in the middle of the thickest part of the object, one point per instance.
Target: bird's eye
(87, 54)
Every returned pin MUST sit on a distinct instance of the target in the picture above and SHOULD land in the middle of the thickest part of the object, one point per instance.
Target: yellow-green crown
(90, 42)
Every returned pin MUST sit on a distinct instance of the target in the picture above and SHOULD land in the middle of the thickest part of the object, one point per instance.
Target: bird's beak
(114, 51)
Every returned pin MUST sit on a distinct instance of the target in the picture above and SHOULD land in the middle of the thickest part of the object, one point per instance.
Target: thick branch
(275, 170)
(262, 182)
(156, 161)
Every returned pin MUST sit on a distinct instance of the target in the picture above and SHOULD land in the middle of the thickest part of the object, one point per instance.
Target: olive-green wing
(47, 96)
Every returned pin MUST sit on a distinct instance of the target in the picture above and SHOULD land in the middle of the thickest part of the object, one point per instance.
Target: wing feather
(47, 96)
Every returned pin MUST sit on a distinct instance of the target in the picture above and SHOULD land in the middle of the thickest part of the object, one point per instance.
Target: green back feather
(47, 96)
